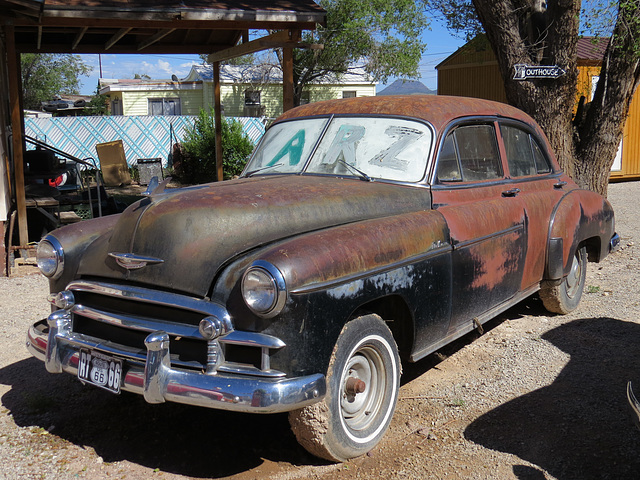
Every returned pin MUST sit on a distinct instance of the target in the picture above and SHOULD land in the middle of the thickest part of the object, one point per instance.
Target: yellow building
(245, 91)
(472, 71)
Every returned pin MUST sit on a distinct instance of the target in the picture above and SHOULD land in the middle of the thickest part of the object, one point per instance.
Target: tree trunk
(599, 137)
(586, 152)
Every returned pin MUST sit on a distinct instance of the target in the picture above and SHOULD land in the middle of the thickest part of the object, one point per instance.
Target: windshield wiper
(258, 170)
(362, 175)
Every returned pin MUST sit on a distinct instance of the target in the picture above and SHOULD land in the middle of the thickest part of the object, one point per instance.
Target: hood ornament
(131, 261)
(155, 187)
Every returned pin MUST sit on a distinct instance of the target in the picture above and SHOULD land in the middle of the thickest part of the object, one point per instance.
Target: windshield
(377, 147)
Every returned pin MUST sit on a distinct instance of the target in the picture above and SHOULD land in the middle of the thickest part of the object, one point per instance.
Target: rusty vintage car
(362, 232)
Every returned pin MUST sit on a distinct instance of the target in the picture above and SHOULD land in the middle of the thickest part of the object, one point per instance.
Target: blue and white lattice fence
(143, 136)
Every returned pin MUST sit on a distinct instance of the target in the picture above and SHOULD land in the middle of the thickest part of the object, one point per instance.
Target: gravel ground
(536, 396)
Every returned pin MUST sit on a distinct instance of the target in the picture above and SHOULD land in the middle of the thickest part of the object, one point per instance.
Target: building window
(349, 94)
(164, 106)
(252, 104)
(116, 107)
(251, 97)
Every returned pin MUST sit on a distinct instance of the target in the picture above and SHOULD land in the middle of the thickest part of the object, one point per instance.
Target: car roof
(438, 110)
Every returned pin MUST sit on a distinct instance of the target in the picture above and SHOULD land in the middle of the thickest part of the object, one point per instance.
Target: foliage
(99, 104)
(45, 75)
(538, 32)
(194, 160)
(459, 16)
(383, 35)
(249, 59)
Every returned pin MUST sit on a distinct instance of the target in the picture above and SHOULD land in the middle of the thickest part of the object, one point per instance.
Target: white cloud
(165, 67)
(126, 66)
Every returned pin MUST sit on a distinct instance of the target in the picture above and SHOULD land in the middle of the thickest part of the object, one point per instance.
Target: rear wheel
(565, 298)
(362, 389)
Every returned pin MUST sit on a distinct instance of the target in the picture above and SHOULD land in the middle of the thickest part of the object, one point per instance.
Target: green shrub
(196, 162)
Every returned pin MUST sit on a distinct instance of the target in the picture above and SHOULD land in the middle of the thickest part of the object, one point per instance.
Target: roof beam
(157, 48)
(78, 38)
(200, 15)
(155, 38)
(278, 39)
(142, 23)
(116, 37)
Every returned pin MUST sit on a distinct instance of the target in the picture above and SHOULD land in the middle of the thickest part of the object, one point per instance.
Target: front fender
(331, 273)
(580, 216)
(336, 256)
(75, 239)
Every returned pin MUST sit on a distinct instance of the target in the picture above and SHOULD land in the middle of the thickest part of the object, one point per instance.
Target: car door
(486, 221)
(540, 189)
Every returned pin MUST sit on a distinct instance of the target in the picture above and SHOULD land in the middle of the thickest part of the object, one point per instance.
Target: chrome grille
(119, 317)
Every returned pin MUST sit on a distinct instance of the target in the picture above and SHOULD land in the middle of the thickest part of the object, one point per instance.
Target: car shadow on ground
(579, 426)
(174, 438)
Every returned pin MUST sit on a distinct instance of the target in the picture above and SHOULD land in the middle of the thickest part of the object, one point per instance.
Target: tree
(99, 104)
(45, 75)
(383, 35)
(249, 59)
(197, 158)
(546, 32)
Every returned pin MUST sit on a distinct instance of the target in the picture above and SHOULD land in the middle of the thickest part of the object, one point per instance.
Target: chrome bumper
(614, 243)
(635, 405)
(158, 382)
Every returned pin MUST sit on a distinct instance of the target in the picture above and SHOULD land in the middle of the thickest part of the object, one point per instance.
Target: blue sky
(440, 44)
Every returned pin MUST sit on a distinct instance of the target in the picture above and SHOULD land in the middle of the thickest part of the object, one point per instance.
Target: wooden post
(217, 113)
(287, 73)
(14, 69)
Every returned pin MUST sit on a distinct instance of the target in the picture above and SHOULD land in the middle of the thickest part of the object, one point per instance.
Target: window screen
(252, 97)
(164, 106)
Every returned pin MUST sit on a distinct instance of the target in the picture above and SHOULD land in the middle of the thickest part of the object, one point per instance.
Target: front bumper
(158, 382)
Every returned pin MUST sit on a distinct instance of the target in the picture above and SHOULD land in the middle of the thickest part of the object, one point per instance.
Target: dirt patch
(537, 396)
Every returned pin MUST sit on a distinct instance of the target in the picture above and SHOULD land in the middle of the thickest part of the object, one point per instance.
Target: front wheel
(565, 298)
(363, 381)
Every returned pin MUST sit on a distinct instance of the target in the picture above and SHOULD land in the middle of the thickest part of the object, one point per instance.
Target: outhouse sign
(528, 72)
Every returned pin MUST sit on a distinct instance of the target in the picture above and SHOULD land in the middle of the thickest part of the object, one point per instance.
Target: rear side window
(468, 154)
(524, 155)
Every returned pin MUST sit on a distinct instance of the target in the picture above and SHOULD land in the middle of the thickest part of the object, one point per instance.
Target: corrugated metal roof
(28, 8)
(592, 48)
(149, 26)
(270, 74)
(588, 50)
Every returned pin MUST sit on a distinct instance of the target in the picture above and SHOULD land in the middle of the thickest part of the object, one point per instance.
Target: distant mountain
(406, 87)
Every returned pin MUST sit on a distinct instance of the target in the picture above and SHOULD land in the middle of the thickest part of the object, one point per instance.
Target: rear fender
(581, 218)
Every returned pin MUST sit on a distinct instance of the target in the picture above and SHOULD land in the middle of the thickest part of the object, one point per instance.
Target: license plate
(100, 370)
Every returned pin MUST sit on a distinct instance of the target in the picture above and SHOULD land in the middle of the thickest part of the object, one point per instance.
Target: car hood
(196, 231)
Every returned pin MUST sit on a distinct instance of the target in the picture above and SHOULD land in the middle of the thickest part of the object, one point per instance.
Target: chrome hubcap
(574, 277)
(362, 388)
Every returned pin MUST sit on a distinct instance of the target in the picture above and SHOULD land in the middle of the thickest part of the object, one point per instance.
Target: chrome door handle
(560, 184)
(511, 192)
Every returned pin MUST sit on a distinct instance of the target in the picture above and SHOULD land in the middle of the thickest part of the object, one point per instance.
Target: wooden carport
(218, 28)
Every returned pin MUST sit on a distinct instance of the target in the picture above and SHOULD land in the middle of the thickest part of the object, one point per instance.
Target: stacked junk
(59, 189)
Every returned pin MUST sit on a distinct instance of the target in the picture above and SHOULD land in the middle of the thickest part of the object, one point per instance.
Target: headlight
(50, 257)
(264, 289)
